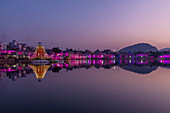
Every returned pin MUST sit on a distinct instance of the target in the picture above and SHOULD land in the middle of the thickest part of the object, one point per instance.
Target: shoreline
(12, 61)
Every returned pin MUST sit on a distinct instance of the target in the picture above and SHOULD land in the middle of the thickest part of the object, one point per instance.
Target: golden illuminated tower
(40, 52)
(40, 70)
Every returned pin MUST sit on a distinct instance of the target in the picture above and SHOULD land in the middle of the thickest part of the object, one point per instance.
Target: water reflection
(39, 70)
(141, 66)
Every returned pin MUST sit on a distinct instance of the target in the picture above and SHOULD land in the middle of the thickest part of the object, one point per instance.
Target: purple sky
(91, 24)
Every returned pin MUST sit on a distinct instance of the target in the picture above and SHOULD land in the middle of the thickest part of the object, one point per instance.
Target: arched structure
(40, 53)
(40, 70)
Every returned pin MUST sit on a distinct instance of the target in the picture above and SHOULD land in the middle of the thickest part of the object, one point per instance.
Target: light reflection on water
(104, 86)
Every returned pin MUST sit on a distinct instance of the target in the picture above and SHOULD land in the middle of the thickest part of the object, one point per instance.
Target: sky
(86, 24)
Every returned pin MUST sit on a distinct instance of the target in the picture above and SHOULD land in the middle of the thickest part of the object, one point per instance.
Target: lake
(86, 86)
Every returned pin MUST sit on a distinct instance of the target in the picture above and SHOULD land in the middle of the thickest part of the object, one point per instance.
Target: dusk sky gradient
(86, 24)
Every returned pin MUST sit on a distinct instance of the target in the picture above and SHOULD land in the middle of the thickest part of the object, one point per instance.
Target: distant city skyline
(88, 24)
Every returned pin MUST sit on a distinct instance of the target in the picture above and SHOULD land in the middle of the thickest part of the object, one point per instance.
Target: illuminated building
(40, 70)
(40, 52)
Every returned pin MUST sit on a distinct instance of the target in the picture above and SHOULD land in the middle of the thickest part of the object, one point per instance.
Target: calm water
(86, 87)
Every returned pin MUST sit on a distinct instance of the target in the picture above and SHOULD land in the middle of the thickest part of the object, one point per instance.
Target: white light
(130, 61)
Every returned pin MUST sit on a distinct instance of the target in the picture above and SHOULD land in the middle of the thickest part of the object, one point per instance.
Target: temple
(40, 53)
(40, 70)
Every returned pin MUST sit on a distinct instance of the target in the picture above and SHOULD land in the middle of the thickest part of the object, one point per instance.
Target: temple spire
(40, 70)
(40, 52)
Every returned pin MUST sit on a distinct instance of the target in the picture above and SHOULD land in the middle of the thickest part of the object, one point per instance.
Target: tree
(97, 51)
(56, 50)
